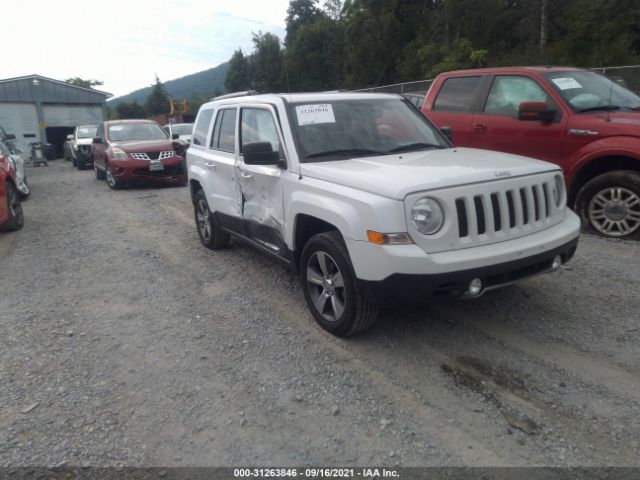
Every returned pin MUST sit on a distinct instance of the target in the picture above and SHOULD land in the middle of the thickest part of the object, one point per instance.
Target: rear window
(202, 127)
(456, 94)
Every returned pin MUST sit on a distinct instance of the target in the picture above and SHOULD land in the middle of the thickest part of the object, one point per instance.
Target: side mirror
(175, 136)
(70, 137)
(97, 140)
(536, 112)
(447, 132)
(260, 153)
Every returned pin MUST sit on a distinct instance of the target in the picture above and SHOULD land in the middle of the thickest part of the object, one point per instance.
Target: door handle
(210, 165)
(479, 127)
(246, 175)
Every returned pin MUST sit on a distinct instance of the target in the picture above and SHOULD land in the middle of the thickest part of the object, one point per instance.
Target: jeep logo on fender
(501, 173)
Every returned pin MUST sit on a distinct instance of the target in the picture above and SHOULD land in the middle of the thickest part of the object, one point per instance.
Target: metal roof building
(41, 109)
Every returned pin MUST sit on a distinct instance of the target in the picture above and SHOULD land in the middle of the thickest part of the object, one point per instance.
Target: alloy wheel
(615, 211)
(202, 215)
(110, 180)
(15, 207)
(326, 286)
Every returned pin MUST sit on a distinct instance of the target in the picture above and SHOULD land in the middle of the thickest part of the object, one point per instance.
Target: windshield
(136, 131)
(589, 91)
(182, 128)
(87, 131)
(338, 129)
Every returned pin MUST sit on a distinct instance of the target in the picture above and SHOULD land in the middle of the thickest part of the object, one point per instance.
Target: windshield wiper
(345, 151)
(606, 108)
(414, 146)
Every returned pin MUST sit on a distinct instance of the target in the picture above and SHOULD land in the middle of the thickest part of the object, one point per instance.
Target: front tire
(211, 235)
(112, 181)
(14, 208)
(330, 288)
(99, 173)
(610, 204)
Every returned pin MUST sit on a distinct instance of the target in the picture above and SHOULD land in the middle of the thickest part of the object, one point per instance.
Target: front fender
(351, 211)
(617, 146)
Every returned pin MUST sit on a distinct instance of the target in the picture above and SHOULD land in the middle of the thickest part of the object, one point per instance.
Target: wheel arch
(305, 227)
(598, 166)
(194, 187)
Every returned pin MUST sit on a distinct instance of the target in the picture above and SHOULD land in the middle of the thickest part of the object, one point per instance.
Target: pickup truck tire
(211, 235)
(99, 173)
(609, 204)
(14, 209)
(330, 288)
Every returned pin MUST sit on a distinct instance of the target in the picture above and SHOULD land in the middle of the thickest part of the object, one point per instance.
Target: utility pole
(543, 25)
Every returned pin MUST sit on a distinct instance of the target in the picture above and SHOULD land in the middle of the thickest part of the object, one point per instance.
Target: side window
(202, 127)
(456, 95)
(100, 131)
(224, 131)
(258, 125)
(508, 92)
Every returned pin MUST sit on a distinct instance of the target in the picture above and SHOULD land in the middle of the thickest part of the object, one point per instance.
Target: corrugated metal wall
(46, 91)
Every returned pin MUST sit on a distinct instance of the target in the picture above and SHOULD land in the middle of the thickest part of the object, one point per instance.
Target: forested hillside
(359, 43)
(195, 87)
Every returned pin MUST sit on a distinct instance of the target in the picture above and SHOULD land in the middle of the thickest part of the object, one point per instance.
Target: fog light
(475, 287)
(557, 261)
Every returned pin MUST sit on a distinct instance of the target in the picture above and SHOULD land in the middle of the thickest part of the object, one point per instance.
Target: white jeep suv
(364, 197)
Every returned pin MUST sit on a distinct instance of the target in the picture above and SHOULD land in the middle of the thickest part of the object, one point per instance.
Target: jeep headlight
(427, 216)
(119, 154)
(558, 187)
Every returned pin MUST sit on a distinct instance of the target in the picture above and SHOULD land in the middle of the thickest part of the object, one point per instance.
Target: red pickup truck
(578, 119)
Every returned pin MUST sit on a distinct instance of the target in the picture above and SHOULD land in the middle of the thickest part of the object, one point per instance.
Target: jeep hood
(144, 145)
(396, 176)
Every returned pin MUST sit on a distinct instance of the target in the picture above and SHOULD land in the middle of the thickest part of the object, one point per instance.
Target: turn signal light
(388, 238)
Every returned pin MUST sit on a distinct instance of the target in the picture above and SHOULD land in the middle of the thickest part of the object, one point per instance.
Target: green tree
(238, 76)
(157, 103)
(130, 110)
(84, 83)
(267, 63)
(315, 56)
(299, 14)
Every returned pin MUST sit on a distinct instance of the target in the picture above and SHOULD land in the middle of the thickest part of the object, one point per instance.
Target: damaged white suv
(368, 200)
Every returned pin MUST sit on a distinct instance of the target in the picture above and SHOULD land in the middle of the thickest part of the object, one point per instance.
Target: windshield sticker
(116, 128)
(566, 83)
(313, 114)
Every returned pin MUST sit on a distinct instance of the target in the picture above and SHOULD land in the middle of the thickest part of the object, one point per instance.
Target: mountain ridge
(204, 84)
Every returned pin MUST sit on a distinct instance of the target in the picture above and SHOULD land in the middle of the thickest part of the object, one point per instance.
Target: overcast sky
(125, 43)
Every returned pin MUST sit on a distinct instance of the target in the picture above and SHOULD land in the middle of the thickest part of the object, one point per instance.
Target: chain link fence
(627, 76)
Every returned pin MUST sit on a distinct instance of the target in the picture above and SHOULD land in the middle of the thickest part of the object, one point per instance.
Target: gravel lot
(124, 342)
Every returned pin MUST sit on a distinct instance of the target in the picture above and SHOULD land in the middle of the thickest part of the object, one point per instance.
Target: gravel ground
(125, 342)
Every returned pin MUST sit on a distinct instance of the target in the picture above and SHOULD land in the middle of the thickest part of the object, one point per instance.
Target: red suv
(134, 151)
(578, 119)
(11, 217)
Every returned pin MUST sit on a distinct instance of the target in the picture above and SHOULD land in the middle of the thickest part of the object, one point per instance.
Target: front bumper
(406, 274)
(137, 171)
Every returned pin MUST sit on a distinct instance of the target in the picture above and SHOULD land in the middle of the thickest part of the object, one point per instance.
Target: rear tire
(609, 204)
(14, 208)
(210, 233)
(330, 287)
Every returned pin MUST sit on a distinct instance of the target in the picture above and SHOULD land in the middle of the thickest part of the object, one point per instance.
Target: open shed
(41, 109)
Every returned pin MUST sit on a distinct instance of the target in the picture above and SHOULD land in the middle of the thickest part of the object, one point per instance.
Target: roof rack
(234, 95)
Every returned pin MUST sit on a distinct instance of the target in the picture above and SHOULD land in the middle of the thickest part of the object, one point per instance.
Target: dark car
(136, 151)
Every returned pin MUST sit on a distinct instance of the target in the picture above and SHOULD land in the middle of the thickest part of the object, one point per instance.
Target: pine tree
(157, 102)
